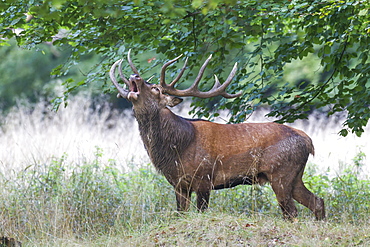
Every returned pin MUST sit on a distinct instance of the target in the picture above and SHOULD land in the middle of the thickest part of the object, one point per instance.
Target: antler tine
(172, 84)
(134, 69)
(163, 73)
(150, 78)
(123, 78)
(122, 92)
(217, 89)
(194, 86)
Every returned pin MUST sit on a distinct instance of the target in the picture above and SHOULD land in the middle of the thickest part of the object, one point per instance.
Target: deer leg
(183, 198)
(305, 197)
(202, 199)
(283, 192)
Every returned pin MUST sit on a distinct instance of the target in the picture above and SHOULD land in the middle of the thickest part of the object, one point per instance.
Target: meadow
(81, 177)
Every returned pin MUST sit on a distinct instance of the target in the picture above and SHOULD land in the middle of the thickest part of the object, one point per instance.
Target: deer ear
(173, 101)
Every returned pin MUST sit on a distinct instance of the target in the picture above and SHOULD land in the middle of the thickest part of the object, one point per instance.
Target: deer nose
(134, 77)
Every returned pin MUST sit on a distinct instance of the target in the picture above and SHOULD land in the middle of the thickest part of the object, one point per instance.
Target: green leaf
(293, 57)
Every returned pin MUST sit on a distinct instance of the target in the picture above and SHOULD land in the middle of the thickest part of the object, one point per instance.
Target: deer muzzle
(135, 83)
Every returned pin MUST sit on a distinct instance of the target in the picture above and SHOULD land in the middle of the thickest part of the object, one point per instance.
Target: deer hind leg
(305, 197)
(203, 199)
(283, 191)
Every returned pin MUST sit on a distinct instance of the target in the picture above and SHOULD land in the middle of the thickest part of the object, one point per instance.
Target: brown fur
(9, 242)
(200, 156)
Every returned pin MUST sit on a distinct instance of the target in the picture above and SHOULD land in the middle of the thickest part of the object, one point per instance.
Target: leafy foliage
(25, 74)
(18, 77)
(264, 37)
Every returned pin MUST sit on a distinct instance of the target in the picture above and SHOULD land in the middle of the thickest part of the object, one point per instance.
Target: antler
(217, 89)
(122, 92)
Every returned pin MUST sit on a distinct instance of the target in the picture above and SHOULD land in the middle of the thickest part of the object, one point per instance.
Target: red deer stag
(200, 156)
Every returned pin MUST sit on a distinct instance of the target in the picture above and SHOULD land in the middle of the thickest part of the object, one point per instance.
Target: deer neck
(166, 136)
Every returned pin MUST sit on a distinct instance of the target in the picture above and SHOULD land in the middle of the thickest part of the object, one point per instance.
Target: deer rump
(199, 156)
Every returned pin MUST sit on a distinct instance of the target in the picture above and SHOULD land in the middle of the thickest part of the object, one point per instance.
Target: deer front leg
(183, 198)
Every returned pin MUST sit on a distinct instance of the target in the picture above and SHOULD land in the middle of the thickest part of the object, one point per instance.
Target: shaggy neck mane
(166, 136)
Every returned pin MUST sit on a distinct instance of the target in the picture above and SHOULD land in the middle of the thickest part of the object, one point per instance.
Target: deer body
(200, 156)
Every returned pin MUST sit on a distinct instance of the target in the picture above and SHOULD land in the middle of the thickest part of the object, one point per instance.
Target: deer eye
(156, 90)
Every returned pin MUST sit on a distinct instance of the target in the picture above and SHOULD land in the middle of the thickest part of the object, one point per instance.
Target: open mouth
(134, 89)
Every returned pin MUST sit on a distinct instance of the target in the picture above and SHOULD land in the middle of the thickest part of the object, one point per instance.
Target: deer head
(142, 92)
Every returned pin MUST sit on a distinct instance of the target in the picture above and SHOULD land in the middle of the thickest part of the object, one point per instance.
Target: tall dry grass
(36, 136)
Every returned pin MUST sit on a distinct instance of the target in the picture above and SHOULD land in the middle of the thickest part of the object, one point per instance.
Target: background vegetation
(264, 37)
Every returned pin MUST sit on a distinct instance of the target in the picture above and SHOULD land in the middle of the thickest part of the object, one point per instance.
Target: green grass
(222, 229)
(95, 204)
